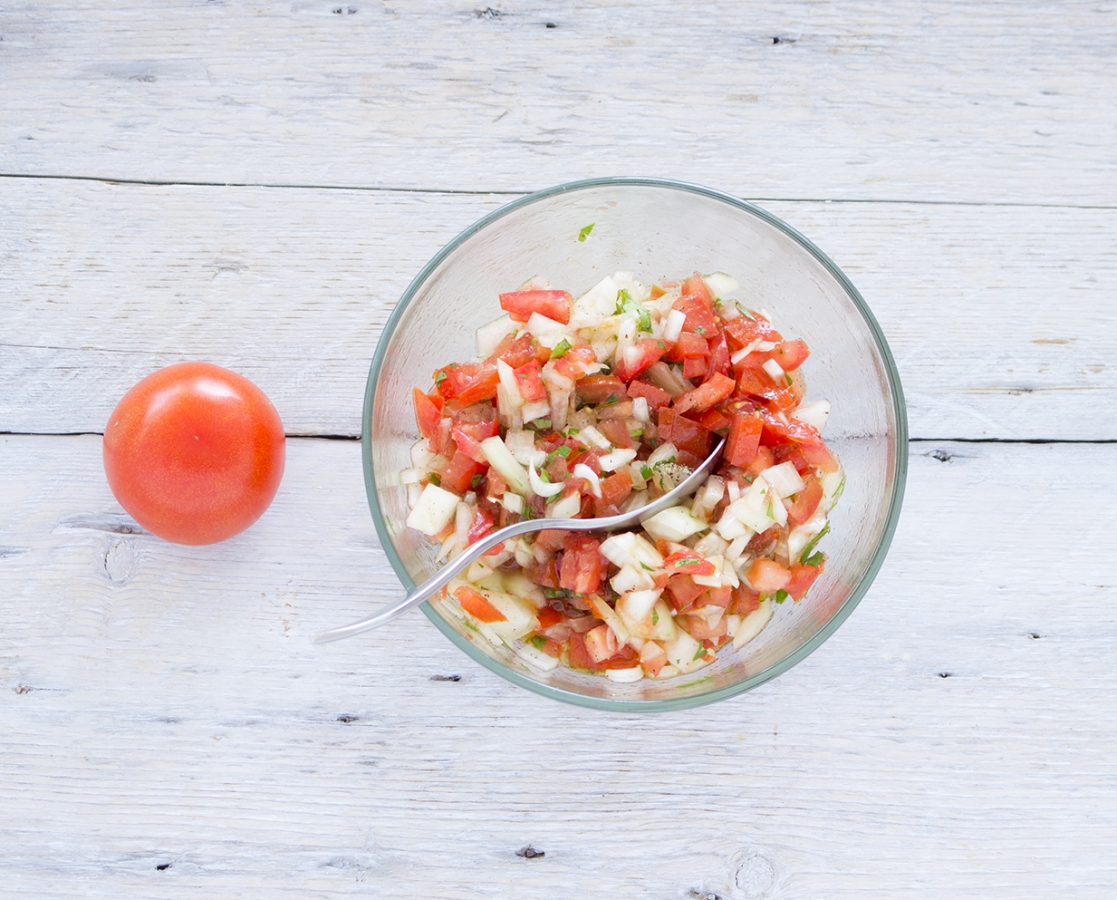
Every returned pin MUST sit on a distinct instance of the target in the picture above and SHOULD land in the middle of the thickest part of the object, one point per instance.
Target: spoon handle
(431, 586)
(460, 563)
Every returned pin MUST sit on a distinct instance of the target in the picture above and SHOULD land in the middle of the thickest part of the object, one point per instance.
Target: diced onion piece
(752, 624)
(540, 326)
(501, 459)
(731, 528)
(591, 437)
(625, 676)
(674, 524)
(410, 476)
(635, 605)
(581, 470)
(627, 548)
(759, 507)
(674, 327)
(744, 351)
(720, 284)
(664, 378)
(665, 452)
(775, 371)
(684, 652)
(710, 546)
(514, 503)
(798, 538)
(784, 479)
(737, 546)
(541, 487)
(521, 444)
(535, 410)
(422, 454)
(536, 658)
(508, 382)
(610, 462)
(640, 410)
(630, 578)
(434, 511)
(414, 492)
(814, 413)
(489, 336)
(566, 508)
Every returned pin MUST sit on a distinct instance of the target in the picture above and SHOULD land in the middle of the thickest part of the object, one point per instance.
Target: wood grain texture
(1000, 101)
(168, 729)
(1002, 325)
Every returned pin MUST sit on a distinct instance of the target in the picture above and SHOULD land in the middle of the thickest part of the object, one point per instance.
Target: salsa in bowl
(578, 237)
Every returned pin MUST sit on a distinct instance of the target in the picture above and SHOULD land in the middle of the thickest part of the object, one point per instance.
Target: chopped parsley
(646, 567)
(744, 312)
(436, 479)
(475, 481)
(646, 472)
(781, 595)
(560, 349)
(689, 561)
(806, 554)
(585, 232)
(562, 451)
(626, 304)
(539, 641)
(655, 617)
(701, 652)
(815, 559)
(440, 376)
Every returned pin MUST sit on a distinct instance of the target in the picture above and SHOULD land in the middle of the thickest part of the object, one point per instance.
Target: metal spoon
(461, 562)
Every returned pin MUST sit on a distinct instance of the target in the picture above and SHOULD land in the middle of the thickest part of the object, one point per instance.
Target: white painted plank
(162, 706)
(1003, 324)
(1001, 101)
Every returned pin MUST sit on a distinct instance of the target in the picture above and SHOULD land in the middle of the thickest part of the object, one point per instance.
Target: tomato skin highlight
(194, 452)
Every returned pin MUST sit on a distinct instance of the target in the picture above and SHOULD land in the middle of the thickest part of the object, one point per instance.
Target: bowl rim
(617, 705)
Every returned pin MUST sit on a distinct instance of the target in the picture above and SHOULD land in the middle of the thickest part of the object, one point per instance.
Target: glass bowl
(661, 230)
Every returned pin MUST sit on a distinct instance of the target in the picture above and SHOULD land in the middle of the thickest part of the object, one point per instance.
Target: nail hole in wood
(446, 678)
(529, 852)
(346, 718)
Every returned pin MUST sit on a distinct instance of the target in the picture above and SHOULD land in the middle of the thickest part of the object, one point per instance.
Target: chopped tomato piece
(803, 436)
(468, 436)
(635, 359)
(601, 644)
(459, 473)
(686, 434)
(518, 352)
(594, 390)
(545, 574)
(743, 330)
(688, 563)
(790, 354)
(696, 302)
(693, 369)
(428, 412)
(719, 362)
(745, 600)
(475, 603)
(706, 395)
(688, 346)
(482, 525)
(467, 383)
(744, 439)
(805, 503)
(699, 627)
(614, 490)
(550, 539)
(581, 564)
(767, 576)
(576, 361)
(656, 397)
(548, 617)
(617, 432)
(530, 381)
(802, 577)
(682, 591)
(714, 421)
(552, 304)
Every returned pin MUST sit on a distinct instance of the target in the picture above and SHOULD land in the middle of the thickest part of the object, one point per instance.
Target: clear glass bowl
(660, 230)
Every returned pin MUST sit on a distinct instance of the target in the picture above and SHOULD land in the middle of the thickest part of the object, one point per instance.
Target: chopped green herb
(744, 312)
(560, 349)
(646, 567)
(436, 479)
(771, 512)
(539, 641)
(439, 376)
(570, 432)
(544, 477)
(688, 562)
(787, 378)
(585, 232)
(700, 330)
(781, 595)
(805, 555)
(750, 478)
(475, 481)
(838, 490)
(626, 304)
(665, 462)
(553, 593)
(655, 617)
(815, 559)
(661, 345)
(611, 400)
(701, 652)
(645, 472)
(563, 451)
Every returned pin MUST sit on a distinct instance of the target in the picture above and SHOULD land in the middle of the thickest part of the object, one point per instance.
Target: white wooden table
(256, 184)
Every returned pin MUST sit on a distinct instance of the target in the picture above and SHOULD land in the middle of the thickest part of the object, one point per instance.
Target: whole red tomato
(194, 453)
